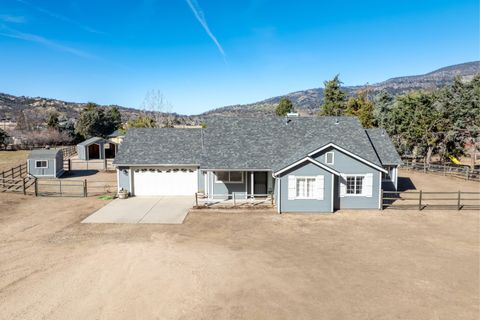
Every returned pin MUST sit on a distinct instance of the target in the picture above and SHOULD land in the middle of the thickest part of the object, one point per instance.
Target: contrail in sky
(12, 33)
(197, 11)
(59, 17)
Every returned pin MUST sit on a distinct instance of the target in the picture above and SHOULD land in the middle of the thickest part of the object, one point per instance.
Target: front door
(260, 183)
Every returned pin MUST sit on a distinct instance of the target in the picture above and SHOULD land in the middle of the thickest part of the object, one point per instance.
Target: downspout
(279, 197)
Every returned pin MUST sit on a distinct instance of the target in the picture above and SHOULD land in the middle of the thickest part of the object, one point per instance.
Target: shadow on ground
(405, 184)
(79, 173)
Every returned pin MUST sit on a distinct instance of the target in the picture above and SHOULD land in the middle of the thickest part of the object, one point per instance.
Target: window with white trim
(305, 187)
(229, 176)
(329, 157)
(355, 185)
(41, 164)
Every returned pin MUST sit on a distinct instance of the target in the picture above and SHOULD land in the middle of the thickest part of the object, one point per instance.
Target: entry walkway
(161, 209)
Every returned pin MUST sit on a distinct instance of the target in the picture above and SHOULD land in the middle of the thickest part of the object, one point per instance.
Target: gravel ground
(239, 265)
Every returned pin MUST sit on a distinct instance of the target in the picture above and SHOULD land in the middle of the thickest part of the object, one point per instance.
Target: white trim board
(348, 153)
(315, 162)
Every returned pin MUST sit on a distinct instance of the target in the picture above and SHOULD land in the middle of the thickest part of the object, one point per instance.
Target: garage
(168, 181)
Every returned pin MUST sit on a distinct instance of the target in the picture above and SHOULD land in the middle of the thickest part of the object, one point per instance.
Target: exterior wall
(219, 190)
(123, 178)
(304, 205)
(392, 183)
(81, 151)
(37, 172)
(59, 164)
(346, 164)
(201, 181)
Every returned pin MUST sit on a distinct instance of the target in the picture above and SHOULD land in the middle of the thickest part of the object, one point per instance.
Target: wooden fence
(69, 151)
(419, 200)
(73, 188)
(78, 164)
(457, 171)
(16, 179)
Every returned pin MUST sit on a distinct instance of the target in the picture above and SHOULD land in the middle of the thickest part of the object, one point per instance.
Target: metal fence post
(459, 206)
(24, 190)
(85, 190)
(381, 199)
(420, 201)
(196, 199)
(234, 200)
(36, 188)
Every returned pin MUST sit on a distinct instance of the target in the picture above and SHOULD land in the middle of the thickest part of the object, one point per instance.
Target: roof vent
(292, 114)
(337, 121)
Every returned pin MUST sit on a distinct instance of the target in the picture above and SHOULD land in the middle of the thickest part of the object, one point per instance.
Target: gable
(344, 161)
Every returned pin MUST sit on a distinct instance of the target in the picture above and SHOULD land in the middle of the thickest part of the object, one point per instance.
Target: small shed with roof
(96, 148)
(45, 163)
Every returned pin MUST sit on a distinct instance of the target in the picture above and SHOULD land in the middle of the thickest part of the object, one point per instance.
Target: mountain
(306, 102)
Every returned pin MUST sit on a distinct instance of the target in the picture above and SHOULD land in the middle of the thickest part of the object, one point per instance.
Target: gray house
(45, 163)
(309, 164)
(96, 148)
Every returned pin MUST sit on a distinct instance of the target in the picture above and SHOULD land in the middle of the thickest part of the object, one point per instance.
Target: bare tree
(157, 106)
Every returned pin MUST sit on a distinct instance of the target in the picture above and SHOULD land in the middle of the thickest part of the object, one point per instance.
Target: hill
(307, 101)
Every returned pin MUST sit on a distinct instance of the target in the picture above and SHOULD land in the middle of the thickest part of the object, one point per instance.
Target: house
(96, 148)
(310, 164)
(45, 163)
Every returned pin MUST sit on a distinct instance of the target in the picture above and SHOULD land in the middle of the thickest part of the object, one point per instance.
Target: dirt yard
(239, 265)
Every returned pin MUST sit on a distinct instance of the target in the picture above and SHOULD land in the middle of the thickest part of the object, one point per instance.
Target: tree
(3, 138)
(334, 98)
(21, 121)
(94, 121)
(284, 106)
(362, 107)
(383, 103)
(156, 106)
(52, 121)
(141, 121)
(114, 117)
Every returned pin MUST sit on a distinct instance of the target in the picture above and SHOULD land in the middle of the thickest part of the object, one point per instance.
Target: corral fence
(234, 199)
(73, 188)
(16, 180)
(78, 164)
(420, 200)
(457, 171)
(69, 151)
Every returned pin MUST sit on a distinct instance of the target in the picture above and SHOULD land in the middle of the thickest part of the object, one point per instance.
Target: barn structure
(96, 148)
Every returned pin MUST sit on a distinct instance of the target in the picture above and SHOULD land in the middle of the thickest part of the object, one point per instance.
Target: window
(41, 164)
(329, 158)
(229, 176)
(305, 188)
(355, 184)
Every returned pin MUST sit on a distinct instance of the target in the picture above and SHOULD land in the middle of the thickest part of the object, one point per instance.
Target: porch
(236, 185)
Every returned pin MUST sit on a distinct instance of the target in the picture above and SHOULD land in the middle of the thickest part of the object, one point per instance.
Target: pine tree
(334, 98)
(284, 106)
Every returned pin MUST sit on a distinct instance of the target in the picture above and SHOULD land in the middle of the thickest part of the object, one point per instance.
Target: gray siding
(82, 150)
(59, 163)
(344, 163)
(304, 205)
(201, 181)
(124, 178)
(39, 172)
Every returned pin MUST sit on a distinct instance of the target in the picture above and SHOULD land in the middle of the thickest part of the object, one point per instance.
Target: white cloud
(15, 34)
(12, 19)
(197, 11)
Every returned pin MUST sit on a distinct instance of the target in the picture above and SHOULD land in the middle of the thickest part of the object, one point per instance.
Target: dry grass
(233, 265)
(9, 159)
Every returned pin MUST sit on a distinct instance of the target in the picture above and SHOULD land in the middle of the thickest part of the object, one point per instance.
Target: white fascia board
(349, 153)
(155, 165)
(315, 162)
(236, 170)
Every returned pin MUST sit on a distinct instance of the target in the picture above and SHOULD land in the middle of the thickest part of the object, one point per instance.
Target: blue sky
(203, 54)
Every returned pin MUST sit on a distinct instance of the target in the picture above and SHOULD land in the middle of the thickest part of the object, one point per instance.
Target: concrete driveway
(161, 209)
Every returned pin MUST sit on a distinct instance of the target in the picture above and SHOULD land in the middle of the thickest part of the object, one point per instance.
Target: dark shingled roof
(384, 147)
(245, 143)
(161, 146)
(43, 153)
(90, 141)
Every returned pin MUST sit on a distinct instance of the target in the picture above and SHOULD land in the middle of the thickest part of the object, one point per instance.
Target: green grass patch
(106, 197)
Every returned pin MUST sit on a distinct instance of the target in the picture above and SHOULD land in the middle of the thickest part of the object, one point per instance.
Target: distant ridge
(307, 101)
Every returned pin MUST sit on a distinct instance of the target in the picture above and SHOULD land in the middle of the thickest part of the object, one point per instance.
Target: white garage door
(161, 181)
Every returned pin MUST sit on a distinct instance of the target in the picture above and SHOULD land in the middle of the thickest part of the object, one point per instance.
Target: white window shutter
(343, 184)
(367, 185)
(292, 188)
(320, 187)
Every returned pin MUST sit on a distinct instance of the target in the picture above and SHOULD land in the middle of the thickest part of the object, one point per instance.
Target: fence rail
(19, 171)
(424, 199)
(69, 151)
(457, 171)
(73, 188)
(78, 164)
